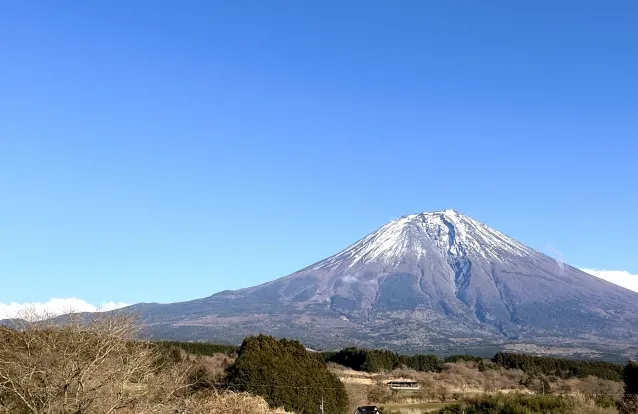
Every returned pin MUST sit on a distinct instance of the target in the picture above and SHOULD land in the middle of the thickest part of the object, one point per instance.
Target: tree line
(373, 360)
(560, 367)
(377, 360)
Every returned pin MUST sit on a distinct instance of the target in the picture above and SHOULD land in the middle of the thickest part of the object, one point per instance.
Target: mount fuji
(429, 281)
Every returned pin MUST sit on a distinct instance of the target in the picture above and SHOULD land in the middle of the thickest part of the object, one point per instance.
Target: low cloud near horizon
(618, 277)
(54, 307)
(59, 306)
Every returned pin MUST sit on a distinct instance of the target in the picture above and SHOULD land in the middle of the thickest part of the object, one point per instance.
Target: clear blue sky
(167, 150)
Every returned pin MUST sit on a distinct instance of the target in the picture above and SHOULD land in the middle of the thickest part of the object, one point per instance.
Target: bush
(201, 379)
(380, 394)
(95, 365)
(605, 401)
(511, 404)
(200, 348)
(221, 403)
(286, 375)
(83, 365)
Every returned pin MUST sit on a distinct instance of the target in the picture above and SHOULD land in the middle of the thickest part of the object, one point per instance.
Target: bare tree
(83, 364)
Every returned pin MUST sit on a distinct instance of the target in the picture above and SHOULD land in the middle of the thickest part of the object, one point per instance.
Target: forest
(372, 360)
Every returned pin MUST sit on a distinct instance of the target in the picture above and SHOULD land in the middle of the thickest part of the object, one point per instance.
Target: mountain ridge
(421, 281)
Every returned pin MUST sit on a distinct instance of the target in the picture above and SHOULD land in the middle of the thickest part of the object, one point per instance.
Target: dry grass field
(463, 379)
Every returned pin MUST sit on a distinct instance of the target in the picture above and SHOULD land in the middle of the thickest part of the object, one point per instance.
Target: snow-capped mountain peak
(443, 233)
(418, 282)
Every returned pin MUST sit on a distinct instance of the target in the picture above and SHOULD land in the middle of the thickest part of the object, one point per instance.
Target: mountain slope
(423, 281)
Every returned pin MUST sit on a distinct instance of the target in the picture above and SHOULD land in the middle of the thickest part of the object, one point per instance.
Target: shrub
(201, 348)
(221, 403)
(286, 375)
(81, 364)
(95, 365)
(511, 404)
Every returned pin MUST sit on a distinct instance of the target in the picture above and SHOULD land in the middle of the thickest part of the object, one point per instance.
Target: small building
(368, 409)
(403, 385)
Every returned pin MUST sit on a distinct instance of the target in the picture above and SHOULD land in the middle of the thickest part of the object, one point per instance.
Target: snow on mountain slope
(416, 234)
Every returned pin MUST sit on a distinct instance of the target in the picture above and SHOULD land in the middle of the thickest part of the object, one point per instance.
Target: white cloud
(618, 277)
(349, 279)
(107, 306)
(54, 307)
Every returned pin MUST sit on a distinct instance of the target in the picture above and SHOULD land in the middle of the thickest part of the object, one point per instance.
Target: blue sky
(164, 151)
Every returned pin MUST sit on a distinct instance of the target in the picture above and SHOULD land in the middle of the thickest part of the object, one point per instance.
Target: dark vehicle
(368, 409)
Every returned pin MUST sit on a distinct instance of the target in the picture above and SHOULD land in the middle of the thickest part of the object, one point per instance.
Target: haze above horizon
(163, 151)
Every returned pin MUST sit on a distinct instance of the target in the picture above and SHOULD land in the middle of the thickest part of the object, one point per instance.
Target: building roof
(399, 380)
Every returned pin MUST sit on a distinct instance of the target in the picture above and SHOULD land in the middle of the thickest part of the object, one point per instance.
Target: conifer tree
(287, 376)
(630, 377)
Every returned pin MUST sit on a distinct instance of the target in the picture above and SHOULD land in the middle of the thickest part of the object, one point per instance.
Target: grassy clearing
(412, 408)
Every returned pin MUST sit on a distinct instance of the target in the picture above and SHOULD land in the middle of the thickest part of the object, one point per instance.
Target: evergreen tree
(630, 377)
(286, 375)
